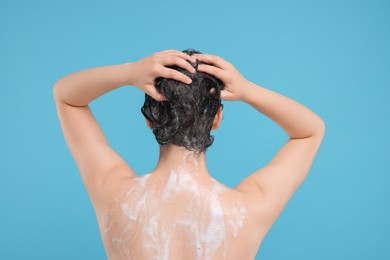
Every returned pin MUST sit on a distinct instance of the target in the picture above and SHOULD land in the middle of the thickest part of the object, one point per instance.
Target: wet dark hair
(186, 117)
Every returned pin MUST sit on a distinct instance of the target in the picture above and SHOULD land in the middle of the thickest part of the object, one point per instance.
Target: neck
(179, 159)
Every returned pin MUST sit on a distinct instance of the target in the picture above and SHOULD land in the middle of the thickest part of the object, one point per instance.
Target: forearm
(296, 120)
(81, 87)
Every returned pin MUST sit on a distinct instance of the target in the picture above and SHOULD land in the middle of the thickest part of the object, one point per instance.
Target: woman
(178, 211)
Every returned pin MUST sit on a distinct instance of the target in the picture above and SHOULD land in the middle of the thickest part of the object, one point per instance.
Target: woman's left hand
(145, 71)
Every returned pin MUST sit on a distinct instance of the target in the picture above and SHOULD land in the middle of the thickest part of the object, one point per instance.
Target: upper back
(179, 219)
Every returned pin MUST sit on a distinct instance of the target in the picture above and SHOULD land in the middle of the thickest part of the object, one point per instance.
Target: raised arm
(101, 168)
(94, 157)
(275, 183)
(270, 187)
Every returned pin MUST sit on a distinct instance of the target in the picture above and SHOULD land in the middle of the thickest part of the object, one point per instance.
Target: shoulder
(116, 182)
(259, 210)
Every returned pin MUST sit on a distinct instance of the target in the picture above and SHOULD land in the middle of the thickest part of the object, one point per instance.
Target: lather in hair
(186, 117)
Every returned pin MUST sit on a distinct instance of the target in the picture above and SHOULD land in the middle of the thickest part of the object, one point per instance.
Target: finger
(153, 92)
(213, 60)
(175, 60)
(180, 54)
(217, 72)
(186, 56)
(174, 74)
(224, 94)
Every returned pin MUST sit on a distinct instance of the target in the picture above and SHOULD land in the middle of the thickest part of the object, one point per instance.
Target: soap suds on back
(150, 218)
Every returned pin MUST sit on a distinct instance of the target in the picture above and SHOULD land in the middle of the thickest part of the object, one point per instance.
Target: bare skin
(178, 211)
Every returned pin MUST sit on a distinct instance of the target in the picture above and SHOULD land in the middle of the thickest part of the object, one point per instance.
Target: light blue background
(332, 56)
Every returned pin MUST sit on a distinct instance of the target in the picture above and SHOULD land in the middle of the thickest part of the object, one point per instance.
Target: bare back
(179, 219)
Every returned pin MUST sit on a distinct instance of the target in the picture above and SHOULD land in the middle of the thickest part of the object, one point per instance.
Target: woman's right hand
(235, 84)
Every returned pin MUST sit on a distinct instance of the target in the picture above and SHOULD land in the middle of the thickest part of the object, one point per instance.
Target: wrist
(127, 73)
(248, 88)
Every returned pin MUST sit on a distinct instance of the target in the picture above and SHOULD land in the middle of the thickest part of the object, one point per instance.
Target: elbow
(320, 128)
(55, 91)
(322, 125)
(56, 87)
